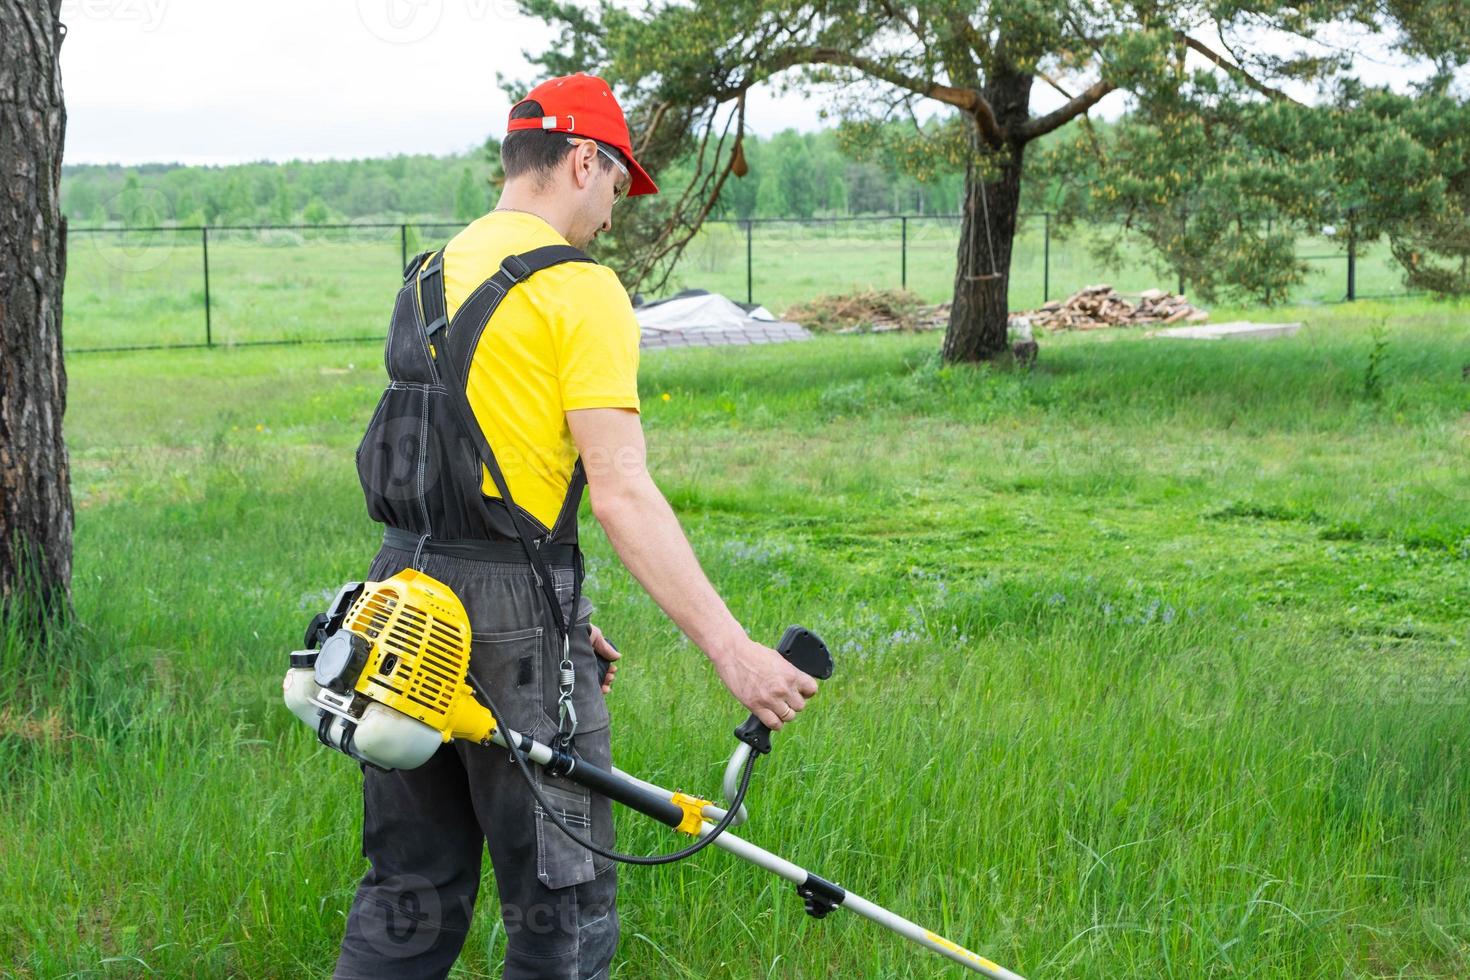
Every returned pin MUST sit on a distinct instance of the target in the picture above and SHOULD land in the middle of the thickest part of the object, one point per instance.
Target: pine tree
(35, 486)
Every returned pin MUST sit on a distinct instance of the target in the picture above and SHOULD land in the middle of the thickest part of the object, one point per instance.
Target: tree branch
(658, 116)
(902, 15)
(1231, 68)
(699, 177)
(1085, 123)
(1054, 84)
(674, 242)
(1041, 125)
(966, 99)
(979, 46)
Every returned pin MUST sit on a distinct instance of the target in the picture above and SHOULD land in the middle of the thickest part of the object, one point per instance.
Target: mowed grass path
(1151, 661)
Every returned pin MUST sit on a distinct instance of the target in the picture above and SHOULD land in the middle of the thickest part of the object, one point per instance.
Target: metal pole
(749, 274)
(403, 246)
(1046, 256)
(1352, 269)
(801, 878)
(208, 323)
(824, 896)
(903, 248)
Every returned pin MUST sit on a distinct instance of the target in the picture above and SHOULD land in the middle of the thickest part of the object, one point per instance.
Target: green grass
(147, 288)
(1151, 661)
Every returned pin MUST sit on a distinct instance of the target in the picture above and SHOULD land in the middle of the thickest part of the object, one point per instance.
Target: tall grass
(1151, 660)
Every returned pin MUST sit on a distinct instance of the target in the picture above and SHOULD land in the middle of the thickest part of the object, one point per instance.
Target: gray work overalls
(425, 829)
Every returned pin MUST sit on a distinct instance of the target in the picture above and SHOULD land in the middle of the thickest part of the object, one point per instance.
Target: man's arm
(647, 537)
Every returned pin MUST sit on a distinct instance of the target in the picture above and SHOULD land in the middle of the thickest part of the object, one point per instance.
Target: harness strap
(413, 265)
(573, 500)
(513, 269)
(473, 316)
(431, 294)
(477, 549)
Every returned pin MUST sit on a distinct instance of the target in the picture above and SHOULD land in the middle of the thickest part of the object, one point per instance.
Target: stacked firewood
(1093, 307)
(934, 317)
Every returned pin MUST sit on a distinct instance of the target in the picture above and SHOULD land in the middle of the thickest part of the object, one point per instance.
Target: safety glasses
(620, 189)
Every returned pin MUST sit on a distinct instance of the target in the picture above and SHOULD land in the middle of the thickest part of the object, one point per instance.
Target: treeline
(309, 192)
(800, 175)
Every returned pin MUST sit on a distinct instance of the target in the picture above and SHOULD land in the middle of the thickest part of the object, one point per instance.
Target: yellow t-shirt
(562, 340)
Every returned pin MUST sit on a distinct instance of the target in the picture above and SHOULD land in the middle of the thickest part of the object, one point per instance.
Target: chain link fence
(179, 287)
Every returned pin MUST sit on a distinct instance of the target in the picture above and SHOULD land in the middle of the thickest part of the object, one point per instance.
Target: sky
(202, 81)
(210, 82)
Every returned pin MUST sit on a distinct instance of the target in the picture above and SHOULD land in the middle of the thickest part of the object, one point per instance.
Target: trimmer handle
(805, 651)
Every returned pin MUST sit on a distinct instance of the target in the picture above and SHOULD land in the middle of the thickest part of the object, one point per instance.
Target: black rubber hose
(669, 858)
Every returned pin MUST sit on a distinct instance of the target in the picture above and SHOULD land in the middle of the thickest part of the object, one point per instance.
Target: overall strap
(473, 315)
(431, 295)
(484, 300)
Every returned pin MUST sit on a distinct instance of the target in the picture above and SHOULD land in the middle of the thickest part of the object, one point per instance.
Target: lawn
(1152, 661)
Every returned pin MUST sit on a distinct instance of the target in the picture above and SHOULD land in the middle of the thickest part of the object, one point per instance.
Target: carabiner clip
(566, 727)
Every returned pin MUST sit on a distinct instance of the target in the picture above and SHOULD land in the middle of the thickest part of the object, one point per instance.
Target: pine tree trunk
(978, 315)
(35, 491)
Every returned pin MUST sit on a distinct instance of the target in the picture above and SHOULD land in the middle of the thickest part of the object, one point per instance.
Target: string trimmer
(385, 679)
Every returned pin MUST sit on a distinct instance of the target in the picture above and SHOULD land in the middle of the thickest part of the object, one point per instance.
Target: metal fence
(236, 285)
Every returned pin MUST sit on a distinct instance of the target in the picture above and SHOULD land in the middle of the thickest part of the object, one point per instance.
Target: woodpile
(883, 311)
(1094, 307)
(934, 317)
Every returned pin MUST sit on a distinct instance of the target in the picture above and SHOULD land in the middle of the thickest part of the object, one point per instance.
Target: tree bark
(35, 489)
(978, 315)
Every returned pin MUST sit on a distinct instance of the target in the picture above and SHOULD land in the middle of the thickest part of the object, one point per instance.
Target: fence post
(1045, 256)
(403, 246)
(903, 251)
(1352, 257)
(749, 276)
(208, 324)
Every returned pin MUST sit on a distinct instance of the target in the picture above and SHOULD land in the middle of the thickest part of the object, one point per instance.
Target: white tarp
(705, 311)
(1238, 329)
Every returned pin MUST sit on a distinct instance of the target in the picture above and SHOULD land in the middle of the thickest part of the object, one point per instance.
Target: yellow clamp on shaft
(693, 808)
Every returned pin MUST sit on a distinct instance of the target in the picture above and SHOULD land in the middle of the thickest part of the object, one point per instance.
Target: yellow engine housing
(420, 637)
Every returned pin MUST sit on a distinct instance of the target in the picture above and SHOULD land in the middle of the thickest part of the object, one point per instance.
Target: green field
(1152, 661)
(147, 288)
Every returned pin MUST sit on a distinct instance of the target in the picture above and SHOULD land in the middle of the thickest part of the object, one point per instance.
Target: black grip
(600, 781)
(805, 651)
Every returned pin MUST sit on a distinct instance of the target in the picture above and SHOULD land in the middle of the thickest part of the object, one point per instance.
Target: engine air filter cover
(340, 661)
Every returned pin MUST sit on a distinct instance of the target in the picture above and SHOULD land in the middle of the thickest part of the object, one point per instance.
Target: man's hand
(607, 652)
(647, 537)
(763, 681)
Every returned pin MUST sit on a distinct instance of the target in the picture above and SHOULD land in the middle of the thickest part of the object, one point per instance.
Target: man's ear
(581, 166)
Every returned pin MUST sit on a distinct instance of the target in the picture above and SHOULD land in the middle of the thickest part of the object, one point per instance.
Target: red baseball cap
(584, 105)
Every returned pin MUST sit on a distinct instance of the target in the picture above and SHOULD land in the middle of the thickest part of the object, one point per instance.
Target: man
(551, 375)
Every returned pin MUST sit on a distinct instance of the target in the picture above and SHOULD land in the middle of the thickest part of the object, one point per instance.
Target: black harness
(422, 478)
